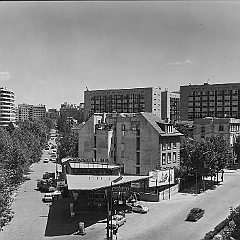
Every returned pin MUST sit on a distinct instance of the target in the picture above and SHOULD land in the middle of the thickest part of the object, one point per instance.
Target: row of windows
(169, 145)
(219, 92)
(169, 158)
(220, 128)
(121, 96)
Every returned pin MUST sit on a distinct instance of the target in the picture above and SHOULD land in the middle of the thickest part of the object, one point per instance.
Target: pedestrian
(115, 230)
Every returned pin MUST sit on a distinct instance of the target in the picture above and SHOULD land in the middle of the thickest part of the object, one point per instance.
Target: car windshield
(195, 210)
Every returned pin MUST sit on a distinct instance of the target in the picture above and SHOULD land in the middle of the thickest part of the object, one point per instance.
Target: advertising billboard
(161, 177)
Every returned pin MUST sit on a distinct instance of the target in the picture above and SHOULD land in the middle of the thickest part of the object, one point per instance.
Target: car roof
(196, 209)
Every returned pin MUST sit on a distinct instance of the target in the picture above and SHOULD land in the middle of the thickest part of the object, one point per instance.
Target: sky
(50, 52)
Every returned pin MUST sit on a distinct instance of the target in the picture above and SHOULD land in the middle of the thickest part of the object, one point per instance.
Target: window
(138, 143)
(123, 127)
(174, 157)
(164, 145)
(95, 154)
(137, 170)
(169, 158)
(138, 158)
(202, 129)
(169, 145)
(221, 128)
(122, 154)
(163, 158)
(95, 141)
(174, 144)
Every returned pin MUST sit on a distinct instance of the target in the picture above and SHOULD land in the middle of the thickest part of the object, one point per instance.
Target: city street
(165, 220)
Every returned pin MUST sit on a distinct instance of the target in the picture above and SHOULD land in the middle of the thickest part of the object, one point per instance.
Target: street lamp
(113, 181)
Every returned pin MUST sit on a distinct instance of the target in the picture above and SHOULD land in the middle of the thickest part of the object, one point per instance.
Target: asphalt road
(30, 213)
(164, 221)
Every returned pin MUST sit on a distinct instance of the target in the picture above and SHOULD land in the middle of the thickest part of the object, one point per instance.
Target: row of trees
(68, 139)
(204, 158)
(20, 146)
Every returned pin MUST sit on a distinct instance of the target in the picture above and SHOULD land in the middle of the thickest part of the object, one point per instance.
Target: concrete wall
(163, 195)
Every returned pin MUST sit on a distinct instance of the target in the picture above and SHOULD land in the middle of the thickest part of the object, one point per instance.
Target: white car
(48, 197)
(117, 221)
(140, 208)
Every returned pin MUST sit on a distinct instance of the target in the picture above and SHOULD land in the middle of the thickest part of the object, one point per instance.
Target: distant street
(165, 220)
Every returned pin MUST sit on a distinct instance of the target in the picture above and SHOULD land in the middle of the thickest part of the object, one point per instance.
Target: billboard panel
(161, 177)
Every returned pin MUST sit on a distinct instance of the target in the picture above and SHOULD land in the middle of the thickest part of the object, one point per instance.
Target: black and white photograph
(120, 120)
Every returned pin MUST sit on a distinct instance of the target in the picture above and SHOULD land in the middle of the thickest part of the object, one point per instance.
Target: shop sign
(120, 189)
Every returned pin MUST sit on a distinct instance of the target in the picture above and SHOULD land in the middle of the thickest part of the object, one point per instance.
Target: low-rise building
(138, 142)
(206, 127)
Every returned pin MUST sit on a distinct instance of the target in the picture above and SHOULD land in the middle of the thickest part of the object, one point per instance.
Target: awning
(91, 182)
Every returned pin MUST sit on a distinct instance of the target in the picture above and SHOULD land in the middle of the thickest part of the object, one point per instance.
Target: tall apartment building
(31, 112)
(216, 100)
(123, 101)
(138, 142)
(170, 102)
(7, 106)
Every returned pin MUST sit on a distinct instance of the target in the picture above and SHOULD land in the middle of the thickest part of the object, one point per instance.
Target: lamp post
(113, 181)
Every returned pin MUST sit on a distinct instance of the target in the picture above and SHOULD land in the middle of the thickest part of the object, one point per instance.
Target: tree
(68, 145)
(237, 149)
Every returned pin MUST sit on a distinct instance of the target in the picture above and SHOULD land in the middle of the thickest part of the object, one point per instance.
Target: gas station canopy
(93, 182)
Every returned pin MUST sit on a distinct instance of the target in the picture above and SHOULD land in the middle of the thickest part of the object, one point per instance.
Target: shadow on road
(61, 223)
(201, 187)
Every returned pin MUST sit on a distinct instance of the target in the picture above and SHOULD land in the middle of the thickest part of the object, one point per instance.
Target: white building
(7, 106)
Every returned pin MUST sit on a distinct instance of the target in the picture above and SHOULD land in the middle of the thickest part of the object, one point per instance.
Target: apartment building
(72, 111)
(123, 101)
(31, 112)
(7, 106)
(53, 113)
(170, 106)
(210, 100)
(206, 127)
(138, 142)
(227, 127)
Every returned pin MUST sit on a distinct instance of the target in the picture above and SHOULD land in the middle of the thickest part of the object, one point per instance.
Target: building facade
(227, 127)
(123, 101)
(7, 107)
(53, 113)
(216, 100)
(31, 112)
(206, 127)
(137, 142)
(170, 106)
(72, 111)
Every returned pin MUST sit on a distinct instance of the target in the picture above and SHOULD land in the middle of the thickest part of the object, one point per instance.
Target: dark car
(195, 214)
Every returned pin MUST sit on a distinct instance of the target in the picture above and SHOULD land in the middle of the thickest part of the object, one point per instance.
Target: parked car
(117, 221)
(139, 208)
(195, 214)
(48, 197)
